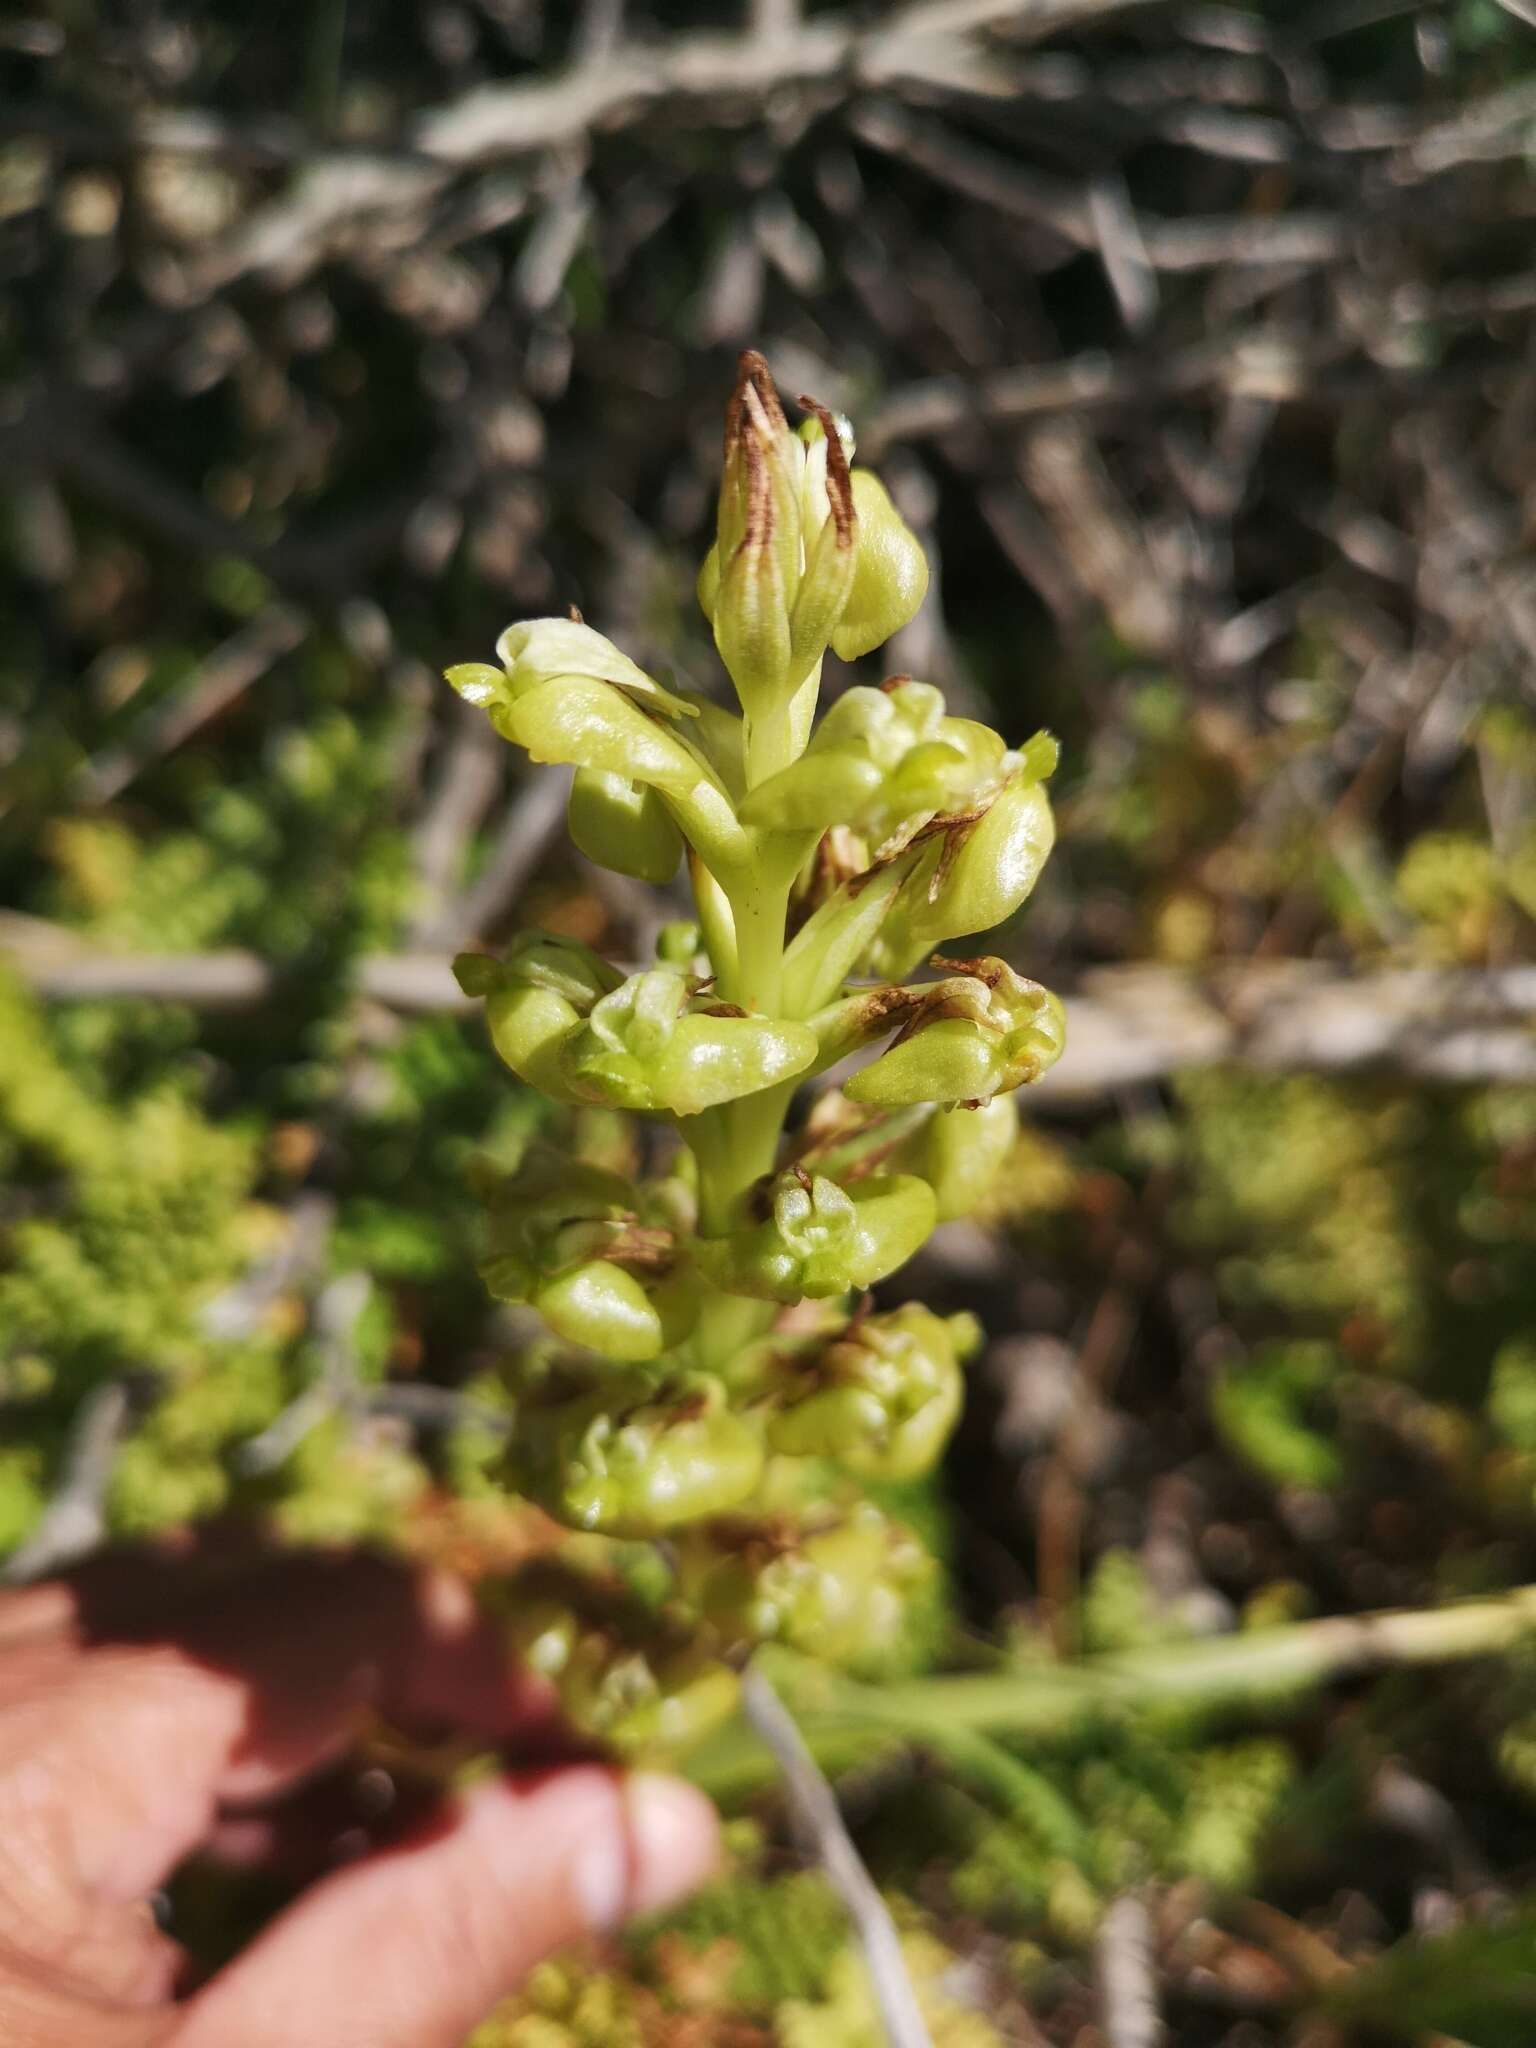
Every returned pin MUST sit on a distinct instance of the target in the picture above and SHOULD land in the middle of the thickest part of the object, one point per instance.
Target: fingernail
(664, 1847)
(600, 1880)
(628, 1845)
(674, 1839)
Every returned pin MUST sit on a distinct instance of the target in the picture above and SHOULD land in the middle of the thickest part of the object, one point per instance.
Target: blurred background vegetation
(1199, 343)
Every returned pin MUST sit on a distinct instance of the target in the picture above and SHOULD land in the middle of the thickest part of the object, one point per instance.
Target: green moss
(848, 2017)
(1273, 1412)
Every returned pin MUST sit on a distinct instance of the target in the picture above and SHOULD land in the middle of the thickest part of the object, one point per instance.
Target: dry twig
(1131, 1024)
(74, 1520)
(243, 659)
(334, 1387)
(818, 1823)
(1127, 1982)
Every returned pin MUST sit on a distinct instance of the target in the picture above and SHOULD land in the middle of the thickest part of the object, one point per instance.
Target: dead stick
(819, 1824)
(75, 1519)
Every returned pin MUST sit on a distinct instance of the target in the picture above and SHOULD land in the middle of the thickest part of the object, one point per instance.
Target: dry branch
(1278, 367)
(613, 85)
(243, 659)
(1127, 1981)
(534, 816)
(238, 1311)
(1134, 1024)
(74, 1520)
(465, 788)
(1069, 209)
(229, 980)
(814, 1814)
(334, 1386)
(1130, 1024)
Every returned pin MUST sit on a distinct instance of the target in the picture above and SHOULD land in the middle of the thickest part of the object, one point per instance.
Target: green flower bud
(538, 959)
(652, 1701)
(751, 616)
(650, 1046)
(961, 1151)
(820, 1239)
(890, 578)
(539, 651)
(601, 1307)
(707, 589)
(529, 1027)
(542, 650)
(879, 758)
(759, 444)
(832, 539)
(626, 1456)
(929, 761)
(881, 1397)
(631, 1679)
(624, 825)
(678, 943)
(757, 549)
(789, 561)
(965, 1039)
(813, 792)
(535, 997)
(590, 724)
(840, 1590)
(976, 869)
(568, 1238)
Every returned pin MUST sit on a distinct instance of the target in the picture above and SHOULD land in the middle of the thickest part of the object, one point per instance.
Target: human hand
(147, 1711)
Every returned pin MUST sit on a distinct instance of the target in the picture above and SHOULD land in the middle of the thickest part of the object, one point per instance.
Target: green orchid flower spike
(715, 1371)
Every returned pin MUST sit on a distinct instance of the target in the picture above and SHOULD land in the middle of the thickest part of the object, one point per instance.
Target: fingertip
(676, 1834)
(615, 1845)
(418, 1942)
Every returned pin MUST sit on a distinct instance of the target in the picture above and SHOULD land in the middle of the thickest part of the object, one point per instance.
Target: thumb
(411, 1948)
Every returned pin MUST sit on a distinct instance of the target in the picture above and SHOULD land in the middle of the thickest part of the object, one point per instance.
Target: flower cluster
(715, 1369)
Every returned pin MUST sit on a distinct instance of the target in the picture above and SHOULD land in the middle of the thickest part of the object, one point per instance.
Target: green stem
(843, 1722)
(759, 900)
(777, 741)
(738, 1144)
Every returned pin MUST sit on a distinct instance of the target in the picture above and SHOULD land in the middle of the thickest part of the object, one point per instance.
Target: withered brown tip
(839, 483)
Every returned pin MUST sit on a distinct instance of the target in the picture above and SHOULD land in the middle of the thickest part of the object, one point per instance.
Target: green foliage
(786, 1934)
(137, 1213)
(1451, 882)
(849, 2018)
(1264, 1409)
(754, 1950)
(1292, 1188)
(1512, 1393)
(1476, 1984)
(1117, 1610)
(149, 1212)
(289, 856)
(1146, 1803)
